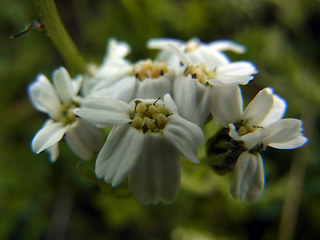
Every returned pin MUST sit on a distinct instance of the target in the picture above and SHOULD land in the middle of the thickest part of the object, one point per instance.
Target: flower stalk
(58, 34)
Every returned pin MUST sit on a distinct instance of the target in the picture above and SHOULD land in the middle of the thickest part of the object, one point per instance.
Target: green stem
(58, 34)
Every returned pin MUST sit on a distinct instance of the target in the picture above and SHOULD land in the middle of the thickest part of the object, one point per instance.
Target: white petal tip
(195, 160)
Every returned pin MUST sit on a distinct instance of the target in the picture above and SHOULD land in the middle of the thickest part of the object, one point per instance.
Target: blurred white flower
(199, 78)
(145, 79)
(145, 144)
(258, 126)
(58, 101)
(193, 49)
(113, 67)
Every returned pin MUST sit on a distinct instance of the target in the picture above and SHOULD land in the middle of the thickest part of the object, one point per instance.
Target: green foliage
(282, 39)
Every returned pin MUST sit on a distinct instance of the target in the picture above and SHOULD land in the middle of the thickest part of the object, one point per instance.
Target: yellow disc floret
(191, 46)
(67, 115)
(149, 116)
(244, 128)
(199, 72)
(149, 69)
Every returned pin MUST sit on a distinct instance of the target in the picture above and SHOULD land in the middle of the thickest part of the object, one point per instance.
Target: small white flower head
(199, 75)
(214, 69)
(258, 126)
(145, 79)
(59, 101)
(145, 145)
(194, 49)
(262, 120)
(113, 67)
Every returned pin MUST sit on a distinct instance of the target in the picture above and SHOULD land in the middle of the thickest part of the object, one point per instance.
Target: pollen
(243, 128)
(67, 116)
(199, 72)
(149, 117)
(191, 46)
(149, 69)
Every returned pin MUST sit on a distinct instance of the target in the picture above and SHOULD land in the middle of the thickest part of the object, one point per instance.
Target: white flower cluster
(157, 108)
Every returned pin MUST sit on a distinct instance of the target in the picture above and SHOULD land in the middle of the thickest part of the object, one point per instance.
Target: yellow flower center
(149, 69)
(243, 128)
(149, 117)
(191, 46)
(199, 72)
(67, 115)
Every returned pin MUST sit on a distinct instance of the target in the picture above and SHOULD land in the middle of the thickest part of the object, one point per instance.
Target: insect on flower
(34, 25)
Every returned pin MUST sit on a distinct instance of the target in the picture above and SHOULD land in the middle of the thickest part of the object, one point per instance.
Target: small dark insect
(34, 25)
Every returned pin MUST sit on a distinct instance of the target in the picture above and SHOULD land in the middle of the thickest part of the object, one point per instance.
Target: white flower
(58, 102)
(194, 48)
(258, 126)
(145, 79)
(194, 89)
(119, 79)
(113, 67)
(145, 144)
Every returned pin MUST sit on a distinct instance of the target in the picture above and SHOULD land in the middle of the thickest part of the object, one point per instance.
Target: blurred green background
(40, 200)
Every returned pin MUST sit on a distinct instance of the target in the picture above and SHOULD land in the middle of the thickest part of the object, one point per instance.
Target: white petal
(170, 104)
(182, 56)
(185, 136)
(276, 112)
(119, 154)
(240, 68)
(297, 142)
(62, 83)
(166, 54)
(44, 96)
(205, 55)
(285, 133)
(227, 104)
(84, 139)
(224, 45)
(233, 132)
(248, 179)
(222, 79)
(193, 99)
(54, 149)
(184, 94)
(154, 87)
(156, 175)
(48, 135)
(114, 65)
(124, 89)
(104, 111)
(53, 152)
(259, 107)
(88, 83)
(116, 49)
(162, 43)
(250, 140)
(253, 139)
(77, 83)
(111, 71)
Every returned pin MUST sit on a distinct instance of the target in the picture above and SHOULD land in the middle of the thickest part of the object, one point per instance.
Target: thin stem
(58, 34)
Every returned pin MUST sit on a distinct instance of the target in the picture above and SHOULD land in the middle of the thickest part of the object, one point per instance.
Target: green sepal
(223, 152)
